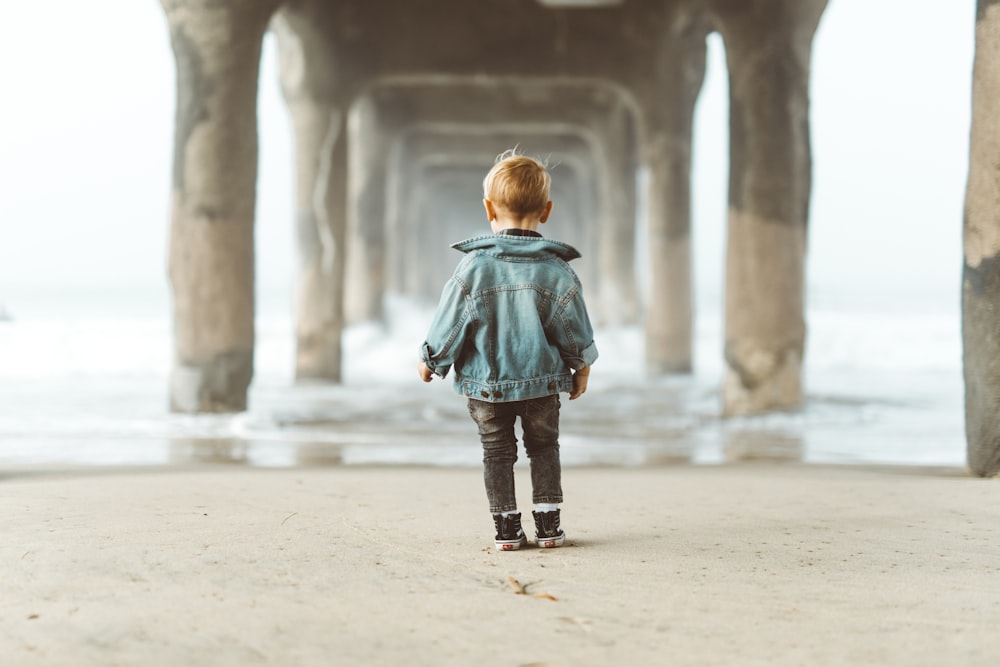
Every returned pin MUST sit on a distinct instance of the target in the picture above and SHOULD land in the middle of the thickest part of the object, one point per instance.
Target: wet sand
(753, 564)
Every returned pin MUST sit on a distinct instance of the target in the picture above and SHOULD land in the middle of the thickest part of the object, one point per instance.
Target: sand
(765, 564)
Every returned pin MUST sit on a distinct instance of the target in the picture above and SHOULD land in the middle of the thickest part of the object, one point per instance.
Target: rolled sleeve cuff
(587, 357)
(441, 370)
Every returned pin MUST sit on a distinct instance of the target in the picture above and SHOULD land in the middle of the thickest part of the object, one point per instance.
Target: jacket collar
(500, 245)
(515, 231)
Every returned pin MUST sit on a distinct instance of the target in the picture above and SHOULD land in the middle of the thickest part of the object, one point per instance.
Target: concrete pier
(770, 180)
(217, 50)
(981, 273)
(392, 102)
(395, 104)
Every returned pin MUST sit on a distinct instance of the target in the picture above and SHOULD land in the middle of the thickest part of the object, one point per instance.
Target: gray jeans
(540, 423)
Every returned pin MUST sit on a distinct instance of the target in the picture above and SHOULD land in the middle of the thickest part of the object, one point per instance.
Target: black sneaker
(547, 530)
(509, 537)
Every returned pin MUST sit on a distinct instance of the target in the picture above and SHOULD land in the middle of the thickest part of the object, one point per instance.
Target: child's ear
(546, 212)
(491, 213)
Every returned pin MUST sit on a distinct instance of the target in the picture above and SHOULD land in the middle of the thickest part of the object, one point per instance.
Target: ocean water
(84, 375)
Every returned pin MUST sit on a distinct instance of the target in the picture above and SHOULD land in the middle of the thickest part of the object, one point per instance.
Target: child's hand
(425, 373)
(580, 378)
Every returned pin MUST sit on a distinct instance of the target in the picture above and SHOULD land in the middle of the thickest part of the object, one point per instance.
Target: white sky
(87, 121)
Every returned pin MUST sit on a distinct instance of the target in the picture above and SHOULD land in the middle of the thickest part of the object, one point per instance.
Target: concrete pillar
(768, 45)
(321, 178)
(575, 219)
(981, 276)
(617, 302)
(670, 119)
(418, 243)
(319, 119)
(217, 51)
(366, 206)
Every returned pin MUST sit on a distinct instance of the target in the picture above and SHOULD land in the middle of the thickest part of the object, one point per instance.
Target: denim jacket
(511, 320)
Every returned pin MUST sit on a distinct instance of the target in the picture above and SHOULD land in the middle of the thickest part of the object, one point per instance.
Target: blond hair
(518, 183)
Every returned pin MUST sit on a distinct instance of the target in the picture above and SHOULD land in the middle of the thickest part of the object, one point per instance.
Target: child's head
(518, 184)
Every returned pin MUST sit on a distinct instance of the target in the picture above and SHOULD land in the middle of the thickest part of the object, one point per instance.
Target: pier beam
(981, 276)
(768, 44)
(211, 266)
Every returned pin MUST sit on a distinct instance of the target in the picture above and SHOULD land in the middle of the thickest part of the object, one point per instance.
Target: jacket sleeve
(449, 328)
(573, 333)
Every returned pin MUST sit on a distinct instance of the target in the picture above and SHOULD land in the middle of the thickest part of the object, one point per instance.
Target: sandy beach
(755, 564)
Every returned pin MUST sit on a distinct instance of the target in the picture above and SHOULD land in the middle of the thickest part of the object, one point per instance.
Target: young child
(513, 323)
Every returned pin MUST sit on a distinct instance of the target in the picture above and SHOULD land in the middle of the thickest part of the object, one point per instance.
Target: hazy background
(85, 161)
(86, 127)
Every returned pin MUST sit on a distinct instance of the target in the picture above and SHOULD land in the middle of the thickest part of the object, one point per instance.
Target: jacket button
(485, 394)
(552, 385)
(497, 394)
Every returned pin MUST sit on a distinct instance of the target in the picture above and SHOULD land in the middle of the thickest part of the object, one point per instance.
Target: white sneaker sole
(551, 542)
(510, 545)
